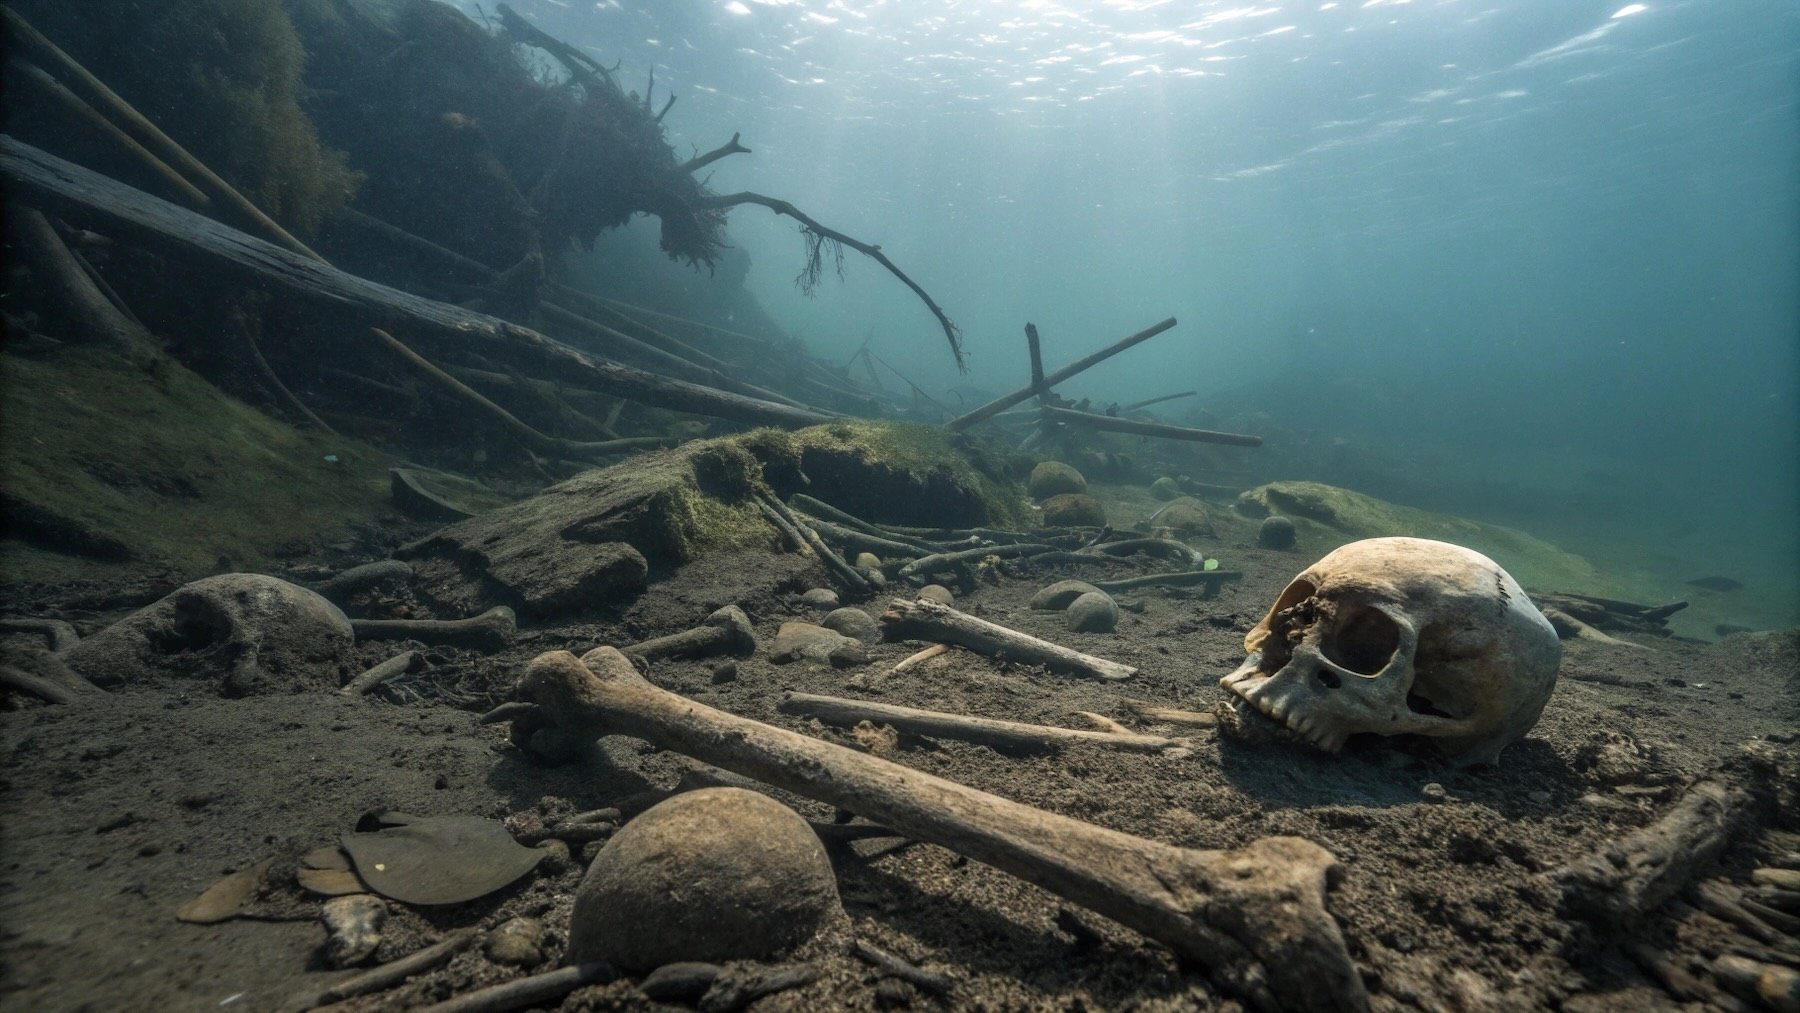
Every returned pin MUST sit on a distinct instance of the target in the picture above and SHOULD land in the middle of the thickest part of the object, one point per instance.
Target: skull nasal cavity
(1365, 642)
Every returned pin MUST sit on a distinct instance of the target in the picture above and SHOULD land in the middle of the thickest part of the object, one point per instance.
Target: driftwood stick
(1004, 736)
(826, 233)
(91, 315)
(859, 541)
(174, 186)
(1634, 874)
(847, 575)
(396, 971)
(919, 569)
(1001, 404)
(58, 634)
(820, 508)
(1157, 429)
(534, 990)
(1254, 917)
(122, 113)
(1182, 578)
(895, 967)
(93, 201)
(698, 162)
(928, 620)
(1037, 363)
(282, 393)
(525, 434)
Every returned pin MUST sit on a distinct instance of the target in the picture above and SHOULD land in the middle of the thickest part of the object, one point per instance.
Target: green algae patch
(109, 469)
(1347, 515)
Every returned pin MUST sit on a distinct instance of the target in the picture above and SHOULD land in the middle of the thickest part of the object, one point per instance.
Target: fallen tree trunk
(96, 202)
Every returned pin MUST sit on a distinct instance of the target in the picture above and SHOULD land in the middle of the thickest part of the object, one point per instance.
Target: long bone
(1254, 916)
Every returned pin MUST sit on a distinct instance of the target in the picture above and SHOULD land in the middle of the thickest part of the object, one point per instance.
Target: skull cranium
(1400, 636)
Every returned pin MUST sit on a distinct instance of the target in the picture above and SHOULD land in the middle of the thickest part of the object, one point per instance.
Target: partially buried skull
(1399, 636)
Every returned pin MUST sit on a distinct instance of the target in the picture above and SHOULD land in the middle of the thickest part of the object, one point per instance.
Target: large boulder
(1054, 478)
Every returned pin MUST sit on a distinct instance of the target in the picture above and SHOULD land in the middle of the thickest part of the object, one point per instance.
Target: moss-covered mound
(109, 471)
(1535, 563)
(600, 537)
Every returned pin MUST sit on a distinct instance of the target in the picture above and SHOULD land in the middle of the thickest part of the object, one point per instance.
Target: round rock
(711, 875)
(853, 622)
(821, 598)
(1186, 515)
(1094, 612)
(1165, 488)
(937, 593)
(1059, 595)
(866, 561)
(1074, 510)
(1053, 478)
(1275, 532)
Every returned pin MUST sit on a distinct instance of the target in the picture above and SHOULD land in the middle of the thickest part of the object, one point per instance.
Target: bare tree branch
(825, 234)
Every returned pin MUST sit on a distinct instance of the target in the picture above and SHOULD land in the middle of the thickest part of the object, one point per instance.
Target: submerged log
(96, 202)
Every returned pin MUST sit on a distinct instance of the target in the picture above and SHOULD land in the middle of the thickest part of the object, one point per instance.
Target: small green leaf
(1211, 564)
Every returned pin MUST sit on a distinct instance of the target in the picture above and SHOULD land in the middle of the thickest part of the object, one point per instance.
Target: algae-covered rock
(1186, 516)
(1275, 532)
(1339, 515)
(1074, 510)
(1054, 478)
(593, 539)
(1165, 488)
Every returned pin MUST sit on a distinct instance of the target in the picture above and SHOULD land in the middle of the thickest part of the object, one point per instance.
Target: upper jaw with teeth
(1254, 692)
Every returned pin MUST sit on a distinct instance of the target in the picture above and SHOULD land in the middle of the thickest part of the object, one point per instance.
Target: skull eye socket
(1366, 641)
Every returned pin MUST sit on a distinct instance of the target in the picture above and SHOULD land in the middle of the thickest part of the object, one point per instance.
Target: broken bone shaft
(1255, 916)
(929, 620)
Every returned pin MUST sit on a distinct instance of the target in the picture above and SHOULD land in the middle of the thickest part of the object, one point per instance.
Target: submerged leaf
(438, 859)
(226, 898)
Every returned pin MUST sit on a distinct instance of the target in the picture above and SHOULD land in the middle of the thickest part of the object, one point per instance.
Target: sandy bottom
(119, 810)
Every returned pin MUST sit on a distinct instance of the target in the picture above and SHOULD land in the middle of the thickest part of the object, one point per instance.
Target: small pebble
(820, 598)
(937, 593)
(1093, 612)
(517, 941)
(1434, 792)
(725, 672)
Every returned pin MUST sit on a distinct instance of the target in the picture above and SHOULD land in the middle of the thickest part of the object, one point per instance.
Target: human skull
(1398, 636)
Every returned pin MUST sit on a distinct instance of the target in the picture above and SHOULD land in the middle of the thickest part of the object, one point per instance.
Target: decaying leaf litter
(1042, 812)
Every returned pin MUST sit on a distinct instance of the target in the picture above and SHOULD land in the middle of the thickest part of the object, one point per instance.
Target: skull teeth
(1302, 727)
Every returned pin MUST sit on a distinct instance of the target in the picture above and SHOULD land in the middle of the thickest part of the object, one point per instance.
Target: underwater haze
(1542, 255)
